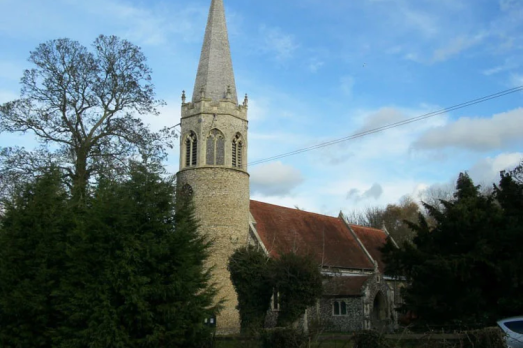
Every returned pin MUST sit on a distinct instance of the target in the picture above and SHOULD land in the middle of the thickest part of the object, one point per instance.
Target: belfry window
(191, 150)
(237, 151)
(216, 148)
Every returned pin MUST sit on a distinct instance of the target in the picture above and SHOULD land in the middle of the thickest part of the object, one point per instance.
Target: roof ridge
(369, 228)
(294, 209)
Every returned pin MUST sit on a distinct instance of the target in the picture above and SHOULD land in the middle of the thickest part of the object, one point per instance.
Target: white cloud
(374, 192)
(168, 117)
(347, 85)
(258, 109)
(486, 171)
(456, 46)
(382, 117)
(509, 64)
(431, 194)
(476, 134)
(274, 179)
(516, 80)
(315, 64)
(151, 25)
(422, 21)
(278, 43)
(508, 5)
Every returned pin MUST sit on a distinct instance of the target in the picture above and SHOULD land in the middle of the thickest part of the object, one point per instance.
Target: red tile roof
(373, 239)
(327, 238)
(345, 286)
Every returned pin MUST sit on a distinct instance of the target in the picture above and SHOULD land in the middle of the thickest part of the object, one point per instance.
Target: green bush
(369, 339)
(490, 337)
(283, 338)
(249, 268)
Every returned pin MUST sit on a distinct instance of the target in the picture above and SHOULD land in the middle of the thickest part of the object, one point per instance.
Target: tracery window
(237, 151)
(191, 150)
(216, 148)
(339, 308)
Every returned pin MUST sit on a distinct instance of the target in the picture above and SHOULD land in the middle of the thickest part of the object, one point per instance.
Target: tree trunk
(80, 178)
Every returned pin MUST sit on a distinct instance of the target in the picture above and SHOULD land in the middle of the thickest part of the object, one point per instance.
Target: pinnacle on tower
(215, 78)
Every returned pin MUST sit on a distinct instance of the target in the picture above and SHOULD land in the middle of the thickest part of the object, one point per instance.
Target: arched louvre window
(237, 151)
(216, 148)
(191, 150)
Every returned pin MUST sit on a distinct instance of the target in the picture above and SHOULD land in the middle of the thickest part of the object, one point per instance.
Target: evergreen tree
(136, 274)
(509, 195)
(454, 267)
(124, 270)
(33, 237)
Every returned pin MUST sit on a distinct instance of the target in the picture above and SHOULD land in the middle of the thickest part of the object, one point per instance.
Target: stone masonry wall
(203, 116)
(353, 321)
(220, 193)
(221, 198)
(375, 286)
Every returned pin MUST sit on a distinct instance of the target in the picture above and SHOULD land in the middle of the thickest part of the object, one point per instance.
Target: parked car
(513, 328)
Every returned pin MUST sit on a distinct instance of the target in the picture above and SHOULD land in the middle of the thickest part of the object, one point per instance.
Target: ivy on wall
(250, 276)
(296, 279)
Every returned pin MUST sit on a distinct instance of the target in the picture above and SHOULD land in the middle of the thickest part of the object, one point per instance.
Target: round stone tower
(213, 159)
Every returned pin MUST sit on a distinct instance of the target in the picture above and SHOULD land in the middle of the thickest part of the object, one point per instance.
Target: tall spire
(215, 78)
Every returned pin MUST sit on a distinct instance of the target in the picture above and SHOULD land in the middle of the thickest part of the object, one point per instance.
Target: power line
(391, 125)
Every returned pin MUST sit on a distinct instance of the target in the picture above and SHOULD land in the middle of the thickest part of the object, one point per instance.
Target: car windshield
(516, 326)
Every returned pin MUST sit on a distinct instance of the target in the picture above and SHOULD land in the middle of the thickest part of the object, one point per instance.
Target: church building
(213, 170)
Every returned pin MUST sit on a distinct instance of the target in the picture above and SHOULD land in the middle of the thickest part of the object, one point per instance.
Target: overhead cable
(390, 126)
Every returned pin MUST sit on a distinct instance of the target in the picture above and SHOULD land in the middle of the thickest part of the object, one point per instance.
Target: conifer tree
(509, 194)
(136, 273)
(125, 270)
(466, 269)
(33, 238)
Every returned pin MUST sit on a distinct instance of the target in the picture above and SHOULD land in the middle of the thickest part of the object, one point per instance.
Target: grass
(255, 344)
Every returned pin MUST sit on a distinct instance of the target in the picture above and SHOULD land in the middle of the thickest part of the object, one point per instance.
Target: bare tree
(85, 109)
(391, 217)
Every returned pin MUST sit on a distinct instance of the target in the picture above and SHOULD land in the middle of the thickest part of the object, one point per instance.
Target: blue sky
(317, 71)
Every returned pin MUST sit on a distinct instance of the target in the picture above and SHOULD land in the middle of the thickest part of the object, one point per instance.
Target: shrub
(249, 268)
(298, 281)
(369, 339)
(283, 338)
(490, 337)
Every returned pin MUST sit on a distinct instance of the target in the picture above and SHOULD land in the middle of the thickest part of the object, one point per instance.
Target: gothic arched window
(191, 150)
(339, 308)
(216, 148)
(237, 151)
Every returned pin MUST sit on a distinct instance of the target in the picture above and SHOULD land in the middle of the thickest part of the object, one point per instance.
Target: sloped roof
(345, 286)
(373, 239)
(327, 238)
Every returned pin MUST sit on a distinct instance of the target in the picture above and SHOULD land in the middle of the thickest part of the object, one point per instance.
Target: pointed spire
(215, 74)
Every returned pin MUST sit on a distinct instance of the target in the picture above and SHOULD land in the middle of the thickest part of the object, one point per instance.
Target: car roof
(506, 320)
